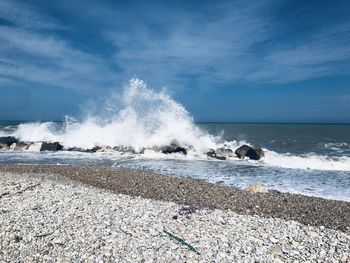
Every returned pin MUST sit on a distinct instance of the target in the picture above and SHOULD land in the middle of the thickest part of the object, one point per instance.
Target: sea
(309, 159)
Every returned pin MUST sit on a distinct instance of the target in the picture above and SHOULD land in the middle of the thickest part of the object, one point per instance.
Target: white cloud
(24, 15)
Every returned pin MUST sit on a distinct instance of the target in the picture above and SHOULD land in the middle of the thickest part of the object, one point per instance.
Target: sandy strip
(46, 219)
(307, 210)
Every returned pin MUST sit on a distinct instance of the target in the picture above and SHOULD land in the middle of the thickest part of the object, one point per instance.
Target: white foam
(310, 161)
(141, 118)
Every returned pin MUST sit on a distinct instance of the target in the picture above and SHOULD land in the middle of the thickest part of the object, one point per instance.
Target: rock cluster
(11, 143)
(242, 152)
(44, 220)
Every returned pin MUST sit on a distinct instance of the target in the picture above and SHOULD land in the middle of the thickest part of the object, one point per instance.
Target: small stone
(273, 240)
(313, 234)
(256, 188)
(323, 253)
(276, 251)
(345, 258)
(295, 244)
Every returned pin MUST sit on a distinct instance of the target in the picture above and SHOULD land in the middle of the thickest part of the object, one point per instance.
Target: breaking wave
(141, 118)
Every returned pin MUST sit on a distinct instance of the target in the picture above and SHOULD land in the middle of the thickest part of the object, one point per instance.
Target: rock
(173, 149)
(125, 149)
(8, 140)
(251, 153)
(20, 146)
(219, 157)
(257, 188)
(211, 153)
(48, 146)
(76, 149)
(219, 154)
(224, 152)
(276, 251)
(93, 150)
(273, 240)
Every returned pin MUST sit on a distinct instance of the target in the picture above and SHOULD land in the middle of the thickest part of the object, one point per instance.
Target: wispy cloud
(322, 54)
(31, 52)
(212, 48)
(178, 44)
(233, 42)
(23, 15)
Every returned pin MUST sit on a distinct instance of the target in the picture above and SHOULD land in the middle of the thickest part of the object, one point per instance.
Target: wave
(306, 161)
(141, 118)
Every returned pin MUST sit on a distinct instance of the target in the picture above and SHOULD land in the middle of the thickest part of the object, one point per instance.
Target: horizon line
(215, 122)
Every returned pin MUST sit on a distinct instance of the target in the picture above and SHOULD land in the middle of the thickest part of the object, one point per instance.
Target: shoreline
(313, 211)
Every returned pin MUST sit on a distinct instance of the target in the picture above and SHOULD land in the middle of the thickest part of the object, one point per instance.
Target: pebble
(100, 226)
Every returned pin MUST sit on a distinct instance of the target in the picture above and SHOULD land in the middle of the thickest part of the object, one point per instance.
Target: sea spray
(146, 120)
(139, 118)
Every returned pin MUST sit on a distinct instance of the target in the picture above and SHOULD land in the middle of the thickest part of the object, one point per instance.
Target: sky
(240, 61)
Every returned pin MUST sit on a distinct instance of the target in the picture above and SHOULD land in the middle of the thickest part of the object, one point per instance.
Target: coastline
(48, 217)
(307, 210)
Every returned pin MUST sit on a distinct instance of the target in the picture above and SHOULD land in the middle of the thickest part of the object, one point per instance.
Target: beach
(100, 214)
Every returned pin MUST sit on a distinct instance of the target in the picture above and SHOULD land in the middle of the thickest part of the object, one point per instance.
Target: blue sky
(253, 61)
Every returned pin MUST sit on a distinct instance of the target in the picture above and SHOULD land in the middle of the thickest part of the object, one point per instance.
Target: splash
(145, 120)
(139, 118)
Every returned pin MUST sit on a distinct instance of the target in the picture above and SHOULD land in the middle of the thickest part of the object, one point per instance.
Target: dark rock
(20, 146)
(260, 151)
(76, 149)
(219, 157)
(48, 146)
(174, 149)
(93, 150)
(247, 151)
(211, 153)
(214, 154)
(8, 140)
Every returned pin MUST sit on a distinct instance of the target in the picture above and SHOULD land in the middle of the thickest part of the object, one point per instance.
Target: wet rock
(214, 154)
(224, 152)
(211, 153)
(251, 153)
(173, 149)
(8, 140)
(93, 150)
(257, 188)
(219, 157)
(48, 146)
(124, 149)
(20, 146)
(75, 149)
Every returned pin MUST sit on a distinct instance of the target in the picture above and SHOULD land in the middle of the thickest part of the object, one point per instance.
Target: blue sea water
(311, 159)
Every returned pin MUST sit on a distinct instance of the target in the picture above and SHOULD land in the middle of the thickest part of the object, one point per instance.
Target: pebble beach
(48, 216)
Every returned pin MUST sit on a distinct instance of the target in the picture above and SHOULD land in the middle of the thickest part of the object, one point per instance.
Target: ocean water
(311, 159)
